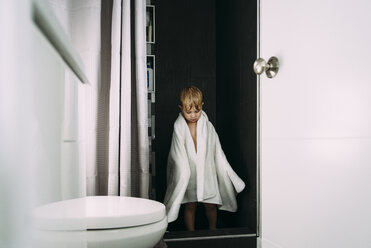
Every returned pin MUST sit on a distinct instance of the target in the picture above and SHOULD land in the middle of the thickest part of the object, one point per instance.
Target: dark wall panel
(236, 100)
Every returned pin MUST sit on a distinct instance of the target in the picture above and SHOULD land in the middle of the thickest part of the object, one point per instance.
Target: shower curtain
(130, 110)
(110, 37)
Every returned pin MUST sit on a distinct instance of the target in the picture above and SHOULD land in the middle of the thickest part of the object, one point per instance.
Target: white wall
(54, 125)
(58, 169)
(39, 134)
(15, 203)
(316, 124)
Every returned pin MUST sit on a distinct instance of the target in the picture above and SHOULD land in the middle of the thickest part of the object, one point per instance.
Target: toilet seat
(98, 212)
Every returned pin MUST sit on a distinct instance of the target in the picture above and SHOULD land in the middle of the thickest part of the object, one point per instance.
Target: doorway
(211, 44)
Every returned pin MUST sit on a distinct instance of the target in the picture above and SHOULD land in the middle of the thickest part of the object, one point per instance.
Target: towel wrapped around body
(202, 176)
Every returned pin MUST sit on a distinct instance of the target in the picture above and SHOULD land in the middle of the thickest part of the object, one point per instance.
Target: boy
(197, 169)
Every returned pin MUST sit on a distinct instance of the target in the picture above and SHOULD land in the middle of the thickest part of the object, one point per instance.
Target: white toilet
(100, 222)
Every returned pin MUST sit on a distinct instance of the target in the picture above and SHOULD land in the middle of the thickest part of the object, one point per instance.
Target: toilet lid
(98, 212)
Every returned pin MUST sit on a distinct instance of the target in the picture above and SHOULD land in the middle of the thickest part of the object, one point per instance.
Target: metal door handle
(270, 68)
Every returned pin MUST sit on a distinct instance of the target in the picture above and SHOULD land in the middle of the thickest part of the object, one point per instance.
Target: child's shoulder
(179, 122)
(206, 118)
(210, 125)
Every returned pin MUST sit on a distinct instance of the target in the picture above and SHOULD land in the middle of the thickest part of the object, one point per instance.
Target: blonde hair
(191, 97)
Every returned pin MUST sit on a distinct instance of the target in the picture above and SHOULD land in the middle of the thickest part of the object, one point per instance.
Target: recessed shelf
(150, 24)
(151, 73)
(151, 87)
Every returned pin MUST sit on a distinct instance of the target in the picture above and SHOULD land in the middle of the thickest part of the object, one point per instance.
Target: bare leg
(211, 214)
(189, 215)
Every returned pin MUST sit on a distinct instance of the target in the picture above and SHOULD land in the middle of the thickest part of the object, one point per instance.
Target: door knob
(270, 68)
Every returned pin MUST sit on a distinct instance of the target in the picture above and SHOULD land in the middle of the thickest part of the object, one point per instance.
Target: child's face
(192, 115)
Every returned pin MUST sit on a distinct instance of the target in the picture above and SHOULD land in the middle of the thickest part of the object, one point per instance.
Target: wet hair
(191, 97)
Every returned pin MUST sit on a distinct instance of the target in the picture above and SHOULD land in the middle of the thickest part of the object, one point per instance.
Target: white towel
(209, 159)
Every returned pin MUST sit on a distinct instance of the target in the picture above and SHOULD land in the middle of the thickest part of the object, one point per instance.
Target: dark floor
(242, 242)
(223, 238)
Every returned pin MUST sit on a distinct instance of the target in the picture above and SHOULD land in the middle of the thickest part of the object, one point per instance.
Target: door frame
(258, 129)
(201, 237)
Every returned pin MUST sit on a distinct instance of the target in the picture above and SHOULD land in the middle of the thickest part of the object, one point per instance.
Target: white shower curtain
(128, 113)
(114, 132)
